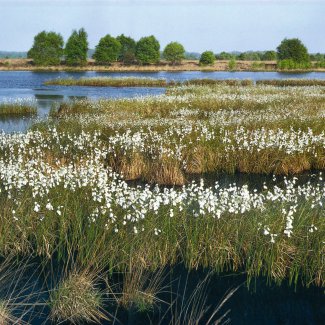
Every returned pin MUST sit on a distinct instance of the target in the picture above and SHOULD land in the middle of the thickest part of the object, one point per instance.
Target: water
(30, 85)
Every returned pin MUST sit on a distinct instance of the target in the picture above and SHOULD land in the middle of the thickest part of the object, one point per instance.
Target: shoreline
(187, 65)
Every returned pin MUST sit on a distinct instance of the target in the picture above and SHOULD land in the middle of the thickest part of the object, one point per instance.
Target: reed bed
(143, 82)
(19, 108)
(292, 82)
(152, 82)
(109, 82)
(229, 82)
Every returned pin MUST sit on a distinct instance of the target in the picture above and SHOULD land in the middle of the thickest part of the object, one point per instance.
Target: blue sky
(199, 25)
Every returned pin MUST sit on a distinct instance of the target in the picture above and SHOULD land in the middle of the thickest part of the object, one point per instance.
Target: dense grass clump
(292, 82)
(109, 82)
(77, 300)
(229, 82)
(17, 109)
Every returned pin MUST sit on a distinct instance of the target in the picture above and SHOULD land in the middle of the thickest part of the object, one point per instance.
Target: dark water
(180, 292)
(30, 85)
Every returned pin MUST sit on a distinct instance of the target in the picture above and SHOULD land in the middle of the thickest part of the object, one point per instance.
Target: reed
(109, 82)
(17, 109)
(292, 82)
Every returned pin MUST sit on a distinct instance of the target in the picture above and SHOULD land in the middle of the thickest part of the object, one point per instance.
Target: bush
(107, 50)
(47, 49)
(147, 50)
(292, 49)
(232, 64)
(76, 48)
(290, 64)
(127, 52)
(207, 57)
(174, 52)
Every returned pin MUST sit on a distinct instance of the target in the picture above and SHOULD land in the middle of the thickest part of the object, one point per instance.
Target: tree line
(48, 49)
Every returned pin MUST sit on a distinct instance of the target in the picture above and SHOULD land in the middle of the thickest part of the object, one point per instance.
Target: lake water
(30, 85)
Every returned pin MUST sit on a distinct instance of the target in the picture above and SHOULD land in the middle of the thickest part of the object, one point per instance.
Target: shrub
(127, 52)
(232, 64)
(107, 50)
(47, 49)
(174, 52)
(207, 57)
(147, 50)
(76, 48)
(290, 64)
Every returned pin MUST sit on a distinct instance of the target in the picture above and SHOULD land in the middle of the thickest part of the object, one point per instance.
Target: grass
(77, 300)
(109, 82)
(17, 109)
(63, 197)
(204, 129)
(143, 82)
(292, 82)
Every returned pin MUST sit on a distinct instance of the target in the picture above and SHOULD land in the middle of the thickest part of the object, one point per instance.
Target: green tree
(225, 56)
(293, 49)
(147, 50)
(47, 49)
(107, 50)
(269, 56)
(127, 52)
(174, 52)
(76, 48)
(207, 57)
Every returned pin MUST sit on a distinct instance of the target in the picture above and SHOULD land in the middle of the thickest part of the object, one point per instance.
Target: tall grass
(17, 109)
(292, 82)
(109, 82)
(143, 82)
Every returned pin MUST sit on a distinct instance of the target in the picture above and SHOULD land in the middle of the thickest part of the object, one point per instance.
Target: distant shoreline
(187, 65)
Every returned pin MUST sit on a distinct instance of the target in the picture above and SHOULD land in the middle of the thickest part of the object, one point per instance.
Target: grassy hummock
(18, 108)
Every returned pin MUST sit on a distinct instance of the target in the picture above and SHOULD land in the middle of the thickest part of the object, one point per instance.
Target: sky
(233, 25)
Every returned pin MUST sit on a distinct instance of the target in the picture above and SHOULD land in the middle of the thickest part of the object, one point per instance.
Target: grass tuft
(77, 299)
(17, 109)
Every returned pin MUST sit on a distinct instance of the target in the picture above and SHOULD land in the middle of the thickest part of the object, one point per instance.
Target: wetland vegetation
(104, 247)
